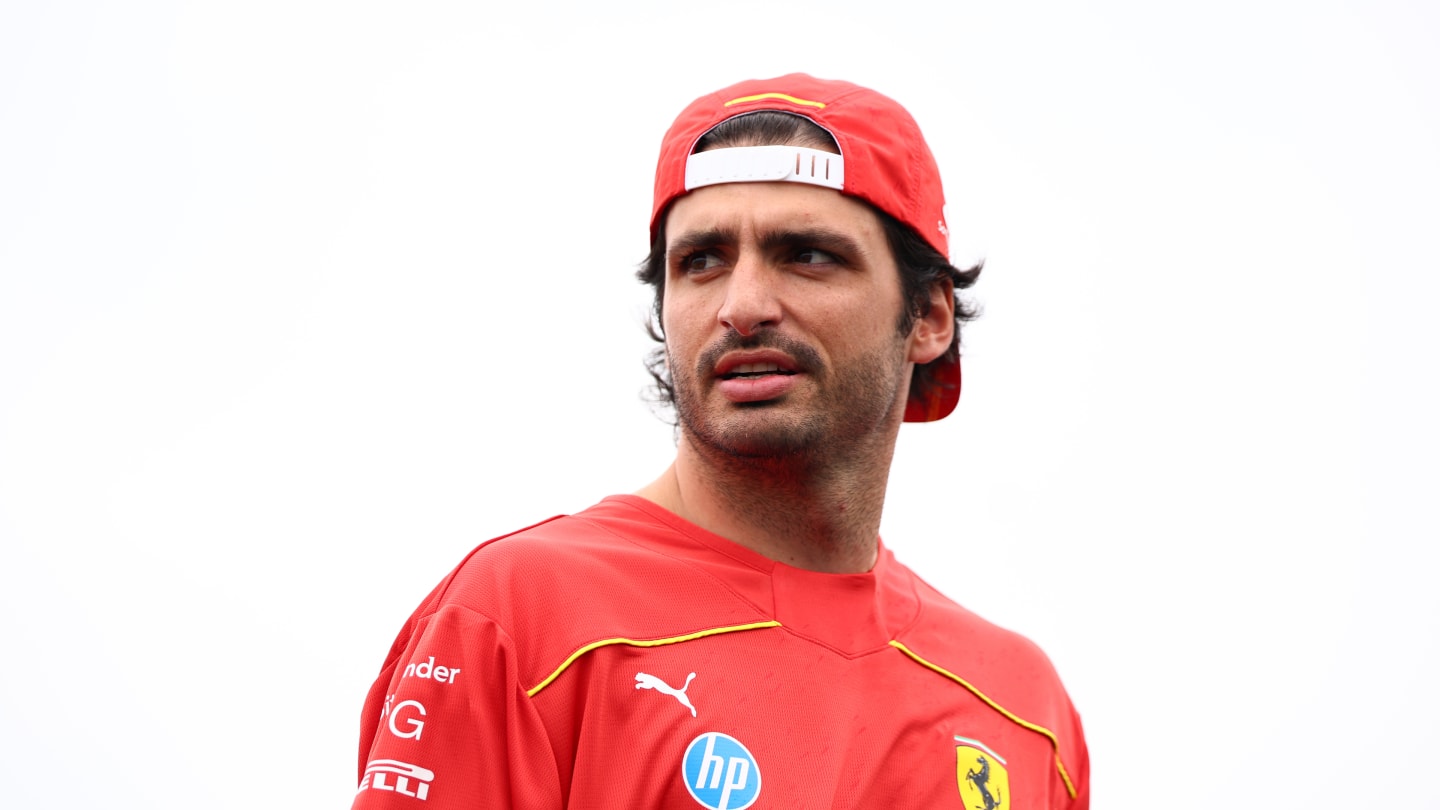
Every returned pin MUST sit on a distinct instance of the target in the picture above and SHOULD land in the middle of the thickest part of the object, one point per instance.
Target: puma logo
(644, 681)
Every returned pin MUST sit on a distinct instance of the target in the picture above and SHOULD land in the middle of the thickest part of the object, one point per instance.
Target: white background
(300, 300)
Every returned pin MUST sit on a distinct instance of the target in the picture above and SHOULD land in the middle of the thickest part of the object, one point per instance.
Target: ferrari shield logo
(984, 783)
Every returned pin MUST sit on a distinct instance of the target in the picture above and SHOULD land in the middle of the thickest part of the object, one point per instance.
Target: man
(735, 634)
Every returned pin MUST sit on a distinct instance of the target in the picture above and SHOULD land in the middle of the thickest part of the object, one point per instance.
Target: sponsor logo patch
(427, 669)
(984, 782)
(399, 777)
(646, 681)
(720, 772)
(410, 728)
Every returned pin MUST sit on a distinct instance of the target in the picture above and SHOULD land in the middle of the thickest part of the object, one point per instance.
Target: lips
(754, 363)
(755, 375)
(753, 370)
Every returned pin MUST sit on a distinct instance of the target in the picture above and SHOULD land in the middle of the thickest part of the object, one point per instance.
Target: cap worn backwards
(883, 160)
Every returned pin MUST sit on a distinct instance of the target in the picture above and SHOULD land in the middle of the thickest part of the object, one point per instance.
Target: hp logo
(720, 773)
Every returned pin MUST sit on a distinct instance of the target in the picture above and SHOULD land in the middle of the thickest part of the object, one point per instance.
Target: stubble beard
(844, 412)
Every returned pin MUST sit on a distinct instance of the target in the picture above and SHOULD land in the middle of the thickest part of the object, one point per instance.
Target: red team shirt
(623, 657)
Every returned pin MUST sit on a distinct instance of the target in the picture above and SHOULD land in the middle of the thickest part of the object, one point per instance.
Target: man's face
(782, 302)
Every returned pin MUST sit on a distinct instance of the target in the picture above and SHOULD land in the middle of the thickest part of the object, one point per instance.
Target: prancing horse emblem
(981, 780)
(644, 681)
(984, 782)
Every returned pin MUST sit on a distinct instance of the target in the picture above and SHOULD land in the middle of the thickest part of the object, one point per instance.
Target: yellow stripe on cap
(819, 105)
(650, 642)
(1054, 742)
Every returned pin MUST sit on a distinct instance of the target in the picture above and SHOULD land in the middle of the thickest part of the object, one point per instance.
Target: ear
(931, 334)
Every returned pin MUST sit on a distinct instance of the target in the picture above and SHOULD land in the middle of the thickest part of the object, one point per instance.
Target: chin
(756, 432)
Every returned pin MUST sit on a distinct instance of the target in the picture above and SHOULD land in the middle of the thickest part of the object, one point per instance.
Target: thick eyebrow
(692, 241)
(826, 239)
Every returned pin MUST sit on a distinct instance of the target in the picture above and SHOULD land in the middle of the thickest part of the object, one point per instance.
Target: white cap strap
(765, 164)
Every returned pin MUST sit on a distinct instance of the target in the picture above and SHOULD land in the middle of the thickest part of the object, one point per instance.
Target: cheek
(868, 331)
(679, 328)
(851, 320)
(685, 318)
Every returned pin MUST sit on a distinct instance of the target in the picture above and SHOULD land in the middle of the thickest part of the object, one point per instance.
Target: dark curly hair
(920, 264)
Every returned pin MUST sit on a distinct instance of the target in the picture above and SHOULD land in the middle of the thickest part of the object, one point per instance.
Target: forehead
(770, 208)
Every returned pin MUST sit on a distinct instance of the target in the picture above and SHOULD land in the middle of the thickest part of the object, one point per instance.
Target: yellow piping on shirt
(653, 642)
(997, 707)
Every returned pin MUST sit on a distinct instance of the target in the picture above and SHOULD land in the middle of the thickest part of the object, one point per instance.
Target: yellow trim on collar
(654, 642)
(997, 707)
(819, 105)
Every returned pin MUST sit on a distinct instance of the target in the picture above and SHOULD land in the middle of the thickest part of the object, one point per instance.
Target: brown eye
(697, 262)
(813, 256)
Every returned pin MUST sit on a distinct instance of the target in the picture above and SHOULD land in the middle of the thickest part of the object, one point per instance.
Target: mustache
(806, 359)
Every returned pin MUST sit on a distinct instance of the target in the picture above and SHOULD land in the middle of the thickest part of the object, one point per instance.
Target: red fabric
(887, 162)
(830, 712)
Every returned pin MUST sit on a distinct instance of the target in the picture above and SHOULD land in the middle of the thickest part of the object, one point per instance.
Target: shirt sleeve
(1077, 755)
(448, 724)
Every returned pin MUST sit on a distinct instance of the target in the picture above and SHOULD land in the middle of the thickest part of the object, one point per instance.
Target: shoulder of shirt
(945, 625)
(609, 574)
(1004, 667)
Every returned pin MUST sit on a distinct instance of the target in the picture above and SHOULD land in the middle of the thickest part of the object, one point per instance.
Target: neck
(819, 514)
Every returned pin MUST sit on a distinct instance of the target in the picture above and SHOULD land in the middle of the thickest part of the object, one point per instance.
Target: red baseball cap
(883, 160)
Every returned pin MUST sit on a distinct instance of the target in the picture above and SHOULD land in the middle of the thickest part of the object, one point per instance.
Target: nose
(750, 297)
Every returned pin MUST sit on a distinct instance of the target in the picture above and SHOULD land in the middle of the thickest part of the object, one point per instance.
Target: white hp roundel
(720, 773)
